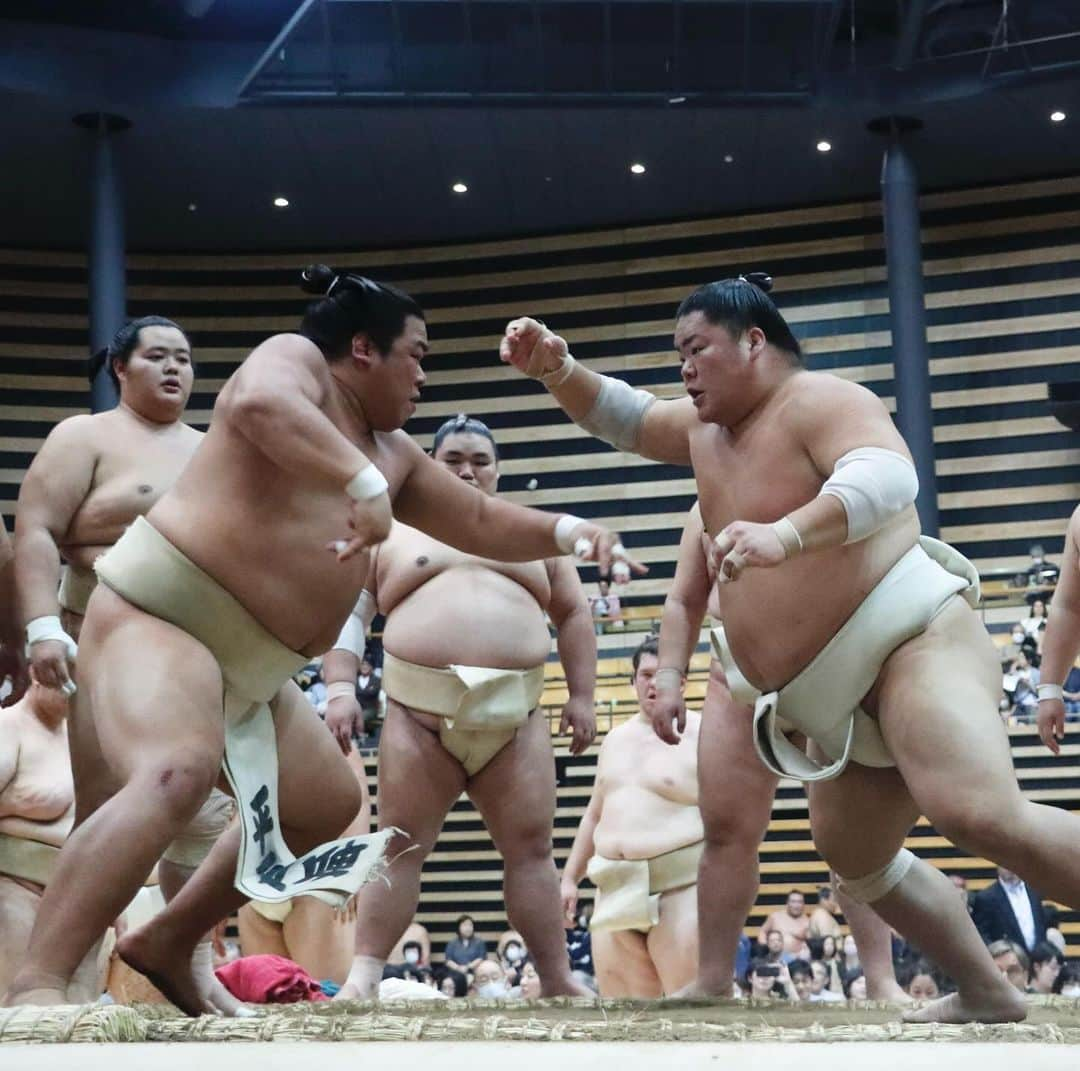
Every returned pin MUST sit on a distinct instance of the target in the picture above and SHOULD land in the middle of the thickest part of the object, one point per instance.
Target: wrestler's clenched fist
(742, 545)
(532, 348)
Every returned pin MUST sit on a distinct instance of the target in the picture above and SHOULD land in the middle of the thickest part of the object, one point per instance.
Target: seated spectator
(414, 934)
(1021, 642)
(369, 696)
(530, 982)
(579, 943)
(1046, 963)
(1007, 908)
(849, 956)
(1036, 620)
(605, 608)
(1068, 981)
(1012, 961)
(921, 982)
(467, 951)
(774, 948)
(820, 978)
(823, 918)
(489, 981)
(412, 953)
(1020, 684)
(453, 983)
(1071, 688)
(767, 981)
(855, 984)
(801, 978)
(1040, 570)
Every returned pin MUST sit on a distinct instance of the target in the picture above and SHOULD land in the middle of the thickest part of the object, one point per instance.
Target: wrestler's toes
(997, 1007)
(349, 991)
(168, 969)
(890, 992)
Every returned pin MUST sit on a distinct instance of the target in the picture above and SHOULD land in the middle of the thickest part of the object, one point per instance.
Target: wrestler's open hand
(568, 894)
(668, 715)
(1051, 723)
(344, 717)
(532, 348)
(579, 719)
(743, 545)
(50, 666)
(370, 522)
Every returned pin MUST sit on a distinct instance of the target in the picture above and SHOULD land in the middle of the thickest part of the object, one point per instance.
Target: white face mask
(513, 953)
(491, 990)
(412, 956)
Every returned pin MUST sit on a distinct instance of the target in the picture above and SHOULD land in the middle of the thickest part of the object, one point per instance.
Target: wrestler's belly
(472, 617)
(54, 833)
(638, 824)
(776, 620)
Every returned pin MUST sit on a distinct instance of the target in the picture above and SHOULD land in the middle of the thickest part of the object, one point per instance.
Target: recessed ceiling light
(676, 100)
(729, 159)
(824, 146)
(460, 187)
(281, 202)
(1057, 117)
(192, 207)
(637, 169)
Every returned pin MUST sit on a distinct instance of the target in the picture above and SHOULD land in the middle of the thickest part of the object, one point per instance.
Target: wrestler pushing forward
(807, 489)
(193, 634)
(465, 643)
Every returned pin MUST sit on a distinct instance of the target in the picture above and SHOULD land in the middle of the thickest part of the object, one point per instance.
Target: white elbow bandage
(617, 413)
(872, 887)
(354, 632)
(873, 485)
(49, 628)
(368, 483)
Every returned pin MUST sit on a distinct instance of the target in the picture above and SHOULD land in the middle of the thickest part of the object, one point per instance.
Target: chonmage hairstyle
(352, 305)
(467, 424)
(742, 303)
(123, 345)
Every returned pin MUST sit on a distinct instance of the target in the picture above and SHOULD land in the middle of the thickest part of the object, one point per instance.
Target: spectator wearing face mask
(513, 958)
(412, 952)
(489, 981)
(1068, 981)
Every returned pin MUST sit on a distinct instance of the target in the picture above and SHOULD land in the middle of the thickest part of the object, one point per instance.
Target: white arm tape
(1050, 691)
(617, 413)
(564, 529)
(354, 632)
(873, 485)
(48, 628)
(368, 483)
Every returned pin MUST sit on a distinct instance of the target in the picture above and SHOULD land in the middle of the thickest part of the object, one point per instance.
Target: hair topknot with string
(759, 279)
(350, 305)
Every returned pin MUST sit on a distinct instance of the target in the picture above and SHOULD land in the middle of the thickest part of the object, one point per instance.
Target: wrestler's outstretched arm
(435, 501)
(867, 471)
(680, 626)
(12, 663)
(1061, 641)
(632, 420)
(576, 640)
(55, 486)
(275, 401)
(583, 848)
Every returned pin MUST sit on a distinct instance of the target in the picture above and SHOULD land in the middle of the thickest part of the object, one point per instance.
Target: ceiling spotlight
(281, 202)
(637, 169)
(729, 159)
(460, 187)
(192, 207)
(676, 100)
(1057, 117)
(824, 146)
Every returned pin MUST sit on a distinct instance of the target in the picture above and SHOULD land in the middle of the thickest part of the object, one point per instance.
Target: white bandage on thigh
(354, 632)
(873, 887)
(874, 485)
(617, 413)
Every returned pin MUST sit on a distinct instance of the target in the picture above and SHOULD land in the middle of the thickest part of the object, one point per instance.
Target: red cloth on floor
(269, 980)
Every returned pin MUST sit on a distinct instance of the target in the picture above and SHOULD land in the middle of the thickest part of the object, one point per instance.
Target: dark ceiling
(365, 112)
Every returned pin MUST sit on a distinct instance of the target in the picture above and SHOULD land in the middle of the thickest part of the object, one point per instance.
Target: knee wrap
(872, 887)
(194, 844)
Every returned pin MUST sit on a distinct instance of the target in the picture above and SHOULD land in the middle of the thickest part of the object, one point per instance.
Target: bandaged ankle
(872, 887)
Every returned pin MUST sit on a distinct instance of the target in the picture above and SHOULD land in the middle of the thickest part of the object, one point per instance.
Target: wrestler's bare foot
(1004, 1005)
(889, 992)
(169, 968)
(34, 995)
(567, 987)
(699, 990)
(352, 991)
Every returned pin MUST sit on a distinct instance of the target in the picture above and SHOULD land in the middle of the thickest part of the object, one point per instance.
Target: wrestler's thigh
(673, 941)
(18, 909)
(260, 936)
(418, 780)
(150, 691)
(515, 792)
(320, 938)
(735, 789)
(317, 789)
(937, 704)
(623, 965)
(859, 820)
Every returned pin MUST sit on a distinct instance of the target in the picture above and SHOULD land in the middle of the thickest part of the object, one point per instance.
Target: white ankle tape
(872, 887)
